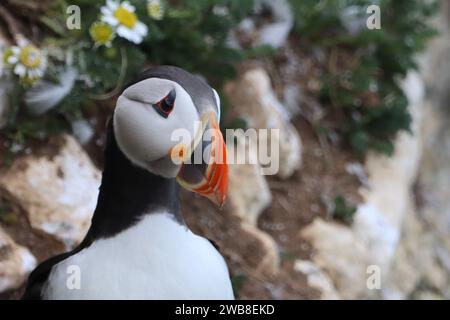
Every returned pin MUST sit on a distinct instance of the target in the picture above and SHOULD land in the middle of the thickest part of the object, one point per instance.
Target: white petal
(129, 35)
(39, 72)
(42, 69)
(20, 70)
(112, 21)
(112, 4)
(12, 60)
(123, 32)
(106, 11)
(15, 50)
(138, 38)
(32, 73)
(128, 6)
(43, 65)
(135, 38)
(22, 42)
(141, 29)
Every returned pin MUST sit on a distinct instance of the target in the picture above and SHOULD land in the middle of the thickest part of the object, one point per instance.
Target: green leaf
(342, 211)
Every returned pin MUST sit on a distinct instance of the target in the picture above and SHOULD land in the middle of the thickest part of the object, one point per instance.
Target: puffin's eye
(165, 106)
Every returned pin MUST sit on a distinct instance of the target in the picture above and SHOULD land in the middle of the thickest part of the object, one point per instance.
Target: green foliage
(359, 75)
(362, 67)
(342, 211)
(190, 35)
(197, 39)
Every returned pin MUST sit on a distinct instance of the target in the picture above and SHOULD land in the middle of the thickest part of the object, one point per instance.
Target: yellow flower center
(101, 32)
(126, 17)
(29, 81)
(30, 56)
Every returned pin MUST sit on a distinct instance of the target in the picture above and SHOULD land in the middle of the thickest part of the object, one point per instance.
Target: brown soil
(309, 192)
(41, 245)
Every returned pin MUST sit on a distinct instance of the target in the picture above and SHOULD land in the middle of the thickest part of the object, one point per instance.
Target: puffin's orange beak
(207, 176)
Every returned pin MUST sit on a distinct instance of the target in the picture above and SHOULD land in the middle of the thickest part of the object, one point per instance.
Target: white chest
(155, 259)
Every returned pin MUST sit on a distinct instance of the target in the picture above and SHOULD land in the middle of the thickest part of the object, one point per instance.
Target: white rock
(434, 173)
(58, 194)
(248, 196)
(374, 238)
(16, 262)
(392, 177)
(413, 263)
(341, 255)
(317, 279)
(248, 190)
(410, 245)
(413, 87)
(268, 263)
(379, 219)
(378, 235)
(422, 259)
(253, 99)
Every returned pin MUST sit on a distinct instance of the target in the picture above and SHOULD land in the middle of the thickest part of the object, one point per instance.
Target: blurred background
(360, 208)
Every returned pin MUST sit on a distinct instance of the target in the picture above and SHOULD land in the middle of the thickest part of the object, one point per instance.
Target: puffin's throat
(128, 192)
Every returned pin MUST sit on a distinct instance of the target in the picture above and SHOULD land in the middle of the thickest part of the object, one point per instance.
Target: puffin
(138, 245)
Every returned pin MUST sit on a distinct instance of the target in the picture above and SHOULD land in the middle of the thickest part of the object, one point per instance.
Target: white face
(142, 133)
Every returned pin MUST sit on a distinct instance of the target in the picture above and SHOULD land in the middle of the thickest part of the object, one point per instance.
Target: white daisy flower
(155, 9)
(26, 61)
(122, 16)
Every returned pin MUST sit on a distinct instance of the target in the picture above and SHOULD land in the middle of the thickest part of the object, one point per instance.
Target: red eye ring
(165, 106)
